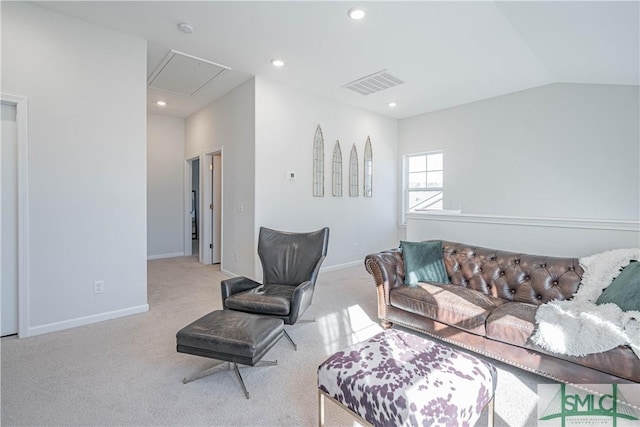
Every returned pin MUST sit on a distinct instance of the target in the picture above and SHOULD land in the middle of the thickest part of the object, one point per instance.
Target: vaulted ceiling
(446, 52)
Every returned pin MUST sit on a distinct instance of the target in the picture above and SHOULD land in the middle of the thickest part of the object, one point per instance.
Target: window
(423, 174)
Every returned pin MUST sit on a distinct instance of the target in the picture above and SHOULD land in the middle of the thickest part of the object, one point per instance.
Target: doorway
(211, 221)
(9, 226)
(216, 216)
(203, 225)
(14, 247)
(195, 206)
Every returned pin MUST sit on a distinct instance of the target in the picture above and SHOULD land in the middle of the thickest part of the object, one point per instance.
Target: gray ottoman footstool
(230, 336)
(396, 379)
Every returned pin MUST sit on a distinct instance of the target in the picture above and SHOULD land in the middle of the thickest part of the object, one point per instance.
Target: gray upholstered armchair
(290, 265)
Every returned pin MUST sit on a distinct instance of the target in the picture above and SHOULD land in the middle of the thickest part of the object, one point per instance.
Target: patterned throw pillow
(423, 262)
(624, 291)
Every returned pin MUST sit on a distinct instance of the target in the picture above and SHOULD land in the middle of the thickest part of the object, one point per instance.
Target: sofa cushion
(624, 291)
(423, 262)
(512, 323)
(454, 305)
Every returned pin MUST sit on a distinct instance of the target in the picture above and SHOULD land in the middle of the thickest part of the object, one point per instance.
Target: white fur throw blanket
(578, 326)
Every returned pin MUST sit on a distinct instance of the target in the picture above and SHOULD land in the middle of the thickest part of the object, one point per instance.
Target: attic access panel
(185, 74)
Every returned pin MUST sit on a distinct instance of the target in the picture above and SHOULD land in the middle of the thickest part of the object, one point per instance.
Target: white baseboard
(228, 273)
(161, 256)
(87, 320)
(341, 266)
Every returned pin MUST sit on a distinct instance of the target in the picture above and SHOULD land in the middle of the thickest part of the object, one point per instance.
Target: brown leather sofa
(490, 308)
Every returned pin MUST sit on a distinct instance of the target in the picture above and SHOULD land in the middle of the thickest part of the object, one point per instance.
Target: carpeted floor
(126, 372)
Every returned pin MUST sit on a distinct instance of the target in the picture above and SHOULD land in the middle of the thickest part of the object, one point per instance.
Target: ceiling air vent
(184, 74)
(374, 83)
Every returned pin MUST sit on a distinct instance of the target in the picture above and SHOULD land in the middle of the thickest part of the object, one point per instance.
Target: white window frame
(405, 182)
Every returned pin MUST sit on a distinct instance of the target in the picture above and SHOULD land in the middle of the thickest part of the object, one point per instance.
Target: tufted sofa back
(512, 276)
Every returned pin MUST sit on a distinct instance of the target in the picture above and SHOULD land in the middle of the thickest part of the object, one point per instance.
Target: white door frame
(216, 218)
(188, 185)
(22, 111)
(206, 217)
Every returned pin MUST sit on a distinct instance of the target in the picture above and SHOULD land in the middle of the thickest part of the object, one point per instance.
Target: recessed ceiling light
(185, 28)
(277, 62)
(161, 103)
(392, 104)
(356, 13)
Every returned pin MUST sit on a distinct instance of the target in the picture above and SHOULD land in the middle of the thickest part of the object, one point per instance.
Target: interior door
(9, 223)
(216, 211)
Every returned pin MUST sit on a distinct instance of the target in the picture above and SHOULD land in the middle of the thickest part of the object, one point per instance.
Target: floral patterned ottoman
(396, 378)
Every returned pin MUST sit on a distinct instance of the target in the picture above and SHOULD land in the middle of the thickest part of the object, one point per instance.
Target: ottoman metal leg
(217, 368)
(235, 369)
(490, 411)
(209, 371)
(322, 398)
(320, 409)
(263, 363)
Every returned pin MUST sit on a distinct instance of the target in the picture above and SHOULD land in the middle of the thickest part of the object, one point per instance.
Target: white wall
(165, 188)
(562, 150)
(229, 124)
(557, 151)
(286, 121)
(86, 88)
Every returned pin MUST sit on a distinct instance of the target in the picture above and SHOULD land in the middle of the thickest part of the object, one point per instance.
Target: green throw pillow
(624, 291)
(423, 262)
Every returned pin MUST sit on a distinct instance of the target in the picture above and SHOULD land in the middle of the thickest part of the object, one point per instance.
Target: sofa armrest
(387, 269)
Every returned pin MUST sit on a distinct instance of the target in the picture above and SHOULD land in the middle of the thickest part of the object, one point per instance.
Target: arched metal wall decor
(368, 169)
(318, 163)
(336, 170)
(353, 172)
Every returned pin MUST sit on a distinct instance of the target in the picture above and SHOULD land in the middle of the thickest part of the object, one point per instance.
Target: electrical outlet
(98, 286)
(237, 257)
(240, 207)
